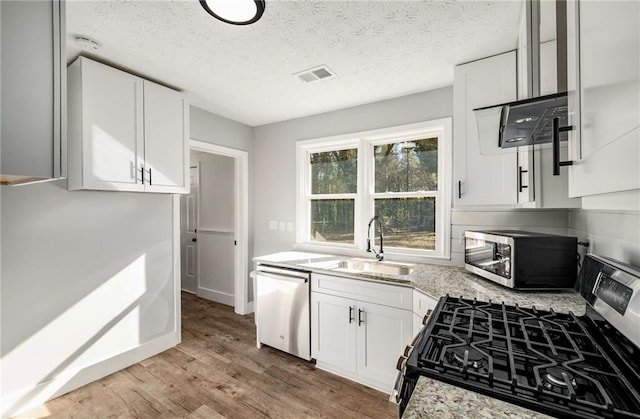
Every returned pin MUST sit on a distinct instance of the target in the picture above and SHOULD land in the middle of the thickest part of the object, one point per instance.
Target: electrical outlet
(289, 226)
(282, 226)
(273, 225)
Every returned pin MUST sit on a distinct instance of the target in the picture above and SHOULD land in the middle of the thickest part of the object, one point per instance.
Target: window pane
(332, 220)
(408, 222)
(407, 166)
(334, 172)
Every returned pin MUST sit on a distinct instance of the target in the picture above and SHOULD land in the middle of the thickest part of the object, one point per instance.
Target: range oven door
(405, 383)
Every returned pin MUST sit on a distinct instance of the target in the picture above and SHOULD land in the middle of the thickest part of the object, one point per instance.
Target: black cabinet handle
(360, 321)
(459, 189)
(350, 314)
(142, 174)
(555, 141)
(520, 185)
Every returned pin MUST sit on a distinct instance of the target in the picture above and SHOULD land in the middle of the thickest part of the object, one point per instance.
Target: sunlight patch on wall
(83, 334)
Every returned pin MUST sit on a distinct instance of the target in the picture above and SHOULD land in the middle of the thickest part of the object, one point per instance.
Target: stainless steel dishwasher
(283, 319)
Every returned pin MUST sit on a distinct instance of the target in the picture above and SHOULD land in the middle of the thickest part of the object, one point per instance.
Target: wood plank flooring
(217, 372)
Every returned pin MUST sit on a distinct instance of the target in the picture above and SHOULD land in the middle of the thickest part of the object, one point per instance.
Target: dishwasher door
(282, 310)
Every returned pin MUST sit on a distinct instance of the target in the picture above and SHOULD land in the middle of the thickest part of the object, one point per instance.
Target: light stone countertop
(432, 398)
(438, 281)
(435, 399)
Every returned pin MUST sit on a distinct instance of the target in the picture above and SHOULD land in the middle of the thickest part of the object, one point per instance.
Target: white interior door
(216, 228)
(188, 237)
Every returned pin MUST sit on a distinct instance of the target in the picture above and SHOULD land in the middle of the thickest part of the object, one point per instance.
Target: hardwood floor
(217, 372)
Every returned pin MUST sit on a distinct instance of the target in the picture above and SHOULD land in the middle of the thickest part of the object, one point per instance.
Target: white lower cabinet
(422, 303)
(360, 340)
(333, 337)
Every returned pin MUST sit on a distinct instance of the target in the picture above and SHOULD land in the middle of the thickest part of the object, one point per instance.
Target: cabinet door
(482, 179)
(112, 131)
(382, 333)
(606, 158)
(166, 137)
(333, 334)
(33, 91)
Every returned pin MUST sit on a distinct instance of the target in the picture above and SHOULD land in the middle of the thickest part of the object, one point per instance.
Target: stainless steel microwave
(522, 259)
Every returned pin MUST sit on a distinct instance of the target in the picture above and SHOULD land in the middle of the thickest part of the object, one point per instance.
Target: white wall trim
(364, 198)
(28, 398)
(217, 296)
(241, 223)
(177, 278)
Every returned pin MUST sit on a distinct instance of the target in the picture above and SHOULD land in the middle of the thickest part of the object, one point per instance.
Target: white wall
(87, 287)
(87, 283)
(214, 129)
(615, 234)
(275, 154)
(275, 175)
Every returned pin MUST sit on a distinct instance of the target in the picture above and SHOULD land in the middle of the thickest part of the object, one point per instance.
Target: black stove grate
(543, 360)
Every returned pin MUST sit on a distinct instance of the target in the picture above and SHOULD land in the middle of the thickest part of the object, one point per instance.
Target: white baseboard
(385, 388)
(217, 296)
(29, 398)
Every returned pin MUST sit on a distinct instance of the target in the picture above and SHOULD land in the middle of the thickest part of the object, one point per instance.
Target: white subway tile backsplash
(615, 234)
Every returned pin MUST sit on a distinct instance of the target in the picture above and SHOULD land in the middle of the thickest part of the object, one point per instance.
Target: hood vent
(315, 74)
(521, 123)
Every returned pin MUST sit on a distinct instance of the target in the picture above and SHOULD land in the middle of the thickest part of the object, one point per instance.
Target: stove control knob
(401, 363)
(426, 316)
(407, 350)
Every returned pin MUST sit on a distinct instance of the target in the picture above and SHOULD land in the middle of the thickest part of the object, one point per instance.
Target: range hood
(521, 123)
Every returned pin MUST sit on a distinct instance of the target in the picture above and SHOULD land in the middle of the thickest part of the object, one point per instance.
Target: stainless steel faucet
(379, 254)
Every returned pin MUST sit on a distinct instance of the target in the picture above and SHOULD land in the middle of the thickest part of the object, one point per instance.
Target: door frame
(241, 219)
(197, 167)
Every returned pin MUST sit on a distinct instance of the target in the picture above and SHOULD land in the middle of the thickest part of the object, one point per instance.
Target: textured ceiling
(378, 49)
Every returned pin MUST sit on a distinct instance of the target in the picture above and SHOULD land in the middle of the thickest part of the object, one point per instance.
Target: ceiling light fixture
(235, 12)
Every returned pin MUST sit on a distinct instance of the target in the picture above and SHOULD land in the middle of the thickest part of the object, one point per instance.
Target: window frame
(364, 198)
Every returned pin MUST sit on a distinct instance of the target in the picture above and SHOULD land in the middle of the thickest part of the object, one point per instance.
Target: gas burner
(475, 359)
(555, 378)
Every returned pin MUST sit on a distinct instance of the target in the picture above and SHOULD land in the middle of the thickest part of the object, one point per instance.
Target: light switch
(273, 225)
(281, 225)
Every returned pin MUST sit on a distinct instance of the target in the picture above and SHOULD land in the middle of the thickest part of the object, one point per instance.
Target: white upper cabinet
(537, 186)
(125, 133)
(165, 120)
(604, 81)
(482, 179)
(33, 102)
(106, 138)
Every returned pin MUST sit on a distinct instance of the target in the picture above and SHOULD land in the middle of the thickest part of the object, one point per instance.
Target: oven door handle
(394, 397)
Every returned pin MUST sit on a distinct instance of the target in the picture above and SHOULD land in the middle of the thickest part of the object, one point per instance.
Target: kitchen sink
(363, 266)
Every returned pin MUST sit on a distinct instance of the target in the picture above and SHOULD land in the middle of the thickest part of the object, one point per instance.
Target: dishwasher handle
(284, 277)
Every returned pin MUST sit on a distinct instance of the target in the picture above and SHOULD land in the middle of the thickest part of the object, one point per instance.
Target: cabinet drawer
(422, 302)
(362, 290)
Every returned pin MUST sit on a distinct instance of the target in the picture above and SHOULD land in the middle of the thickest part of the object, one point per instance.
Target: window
(334, 184)
(400, 174)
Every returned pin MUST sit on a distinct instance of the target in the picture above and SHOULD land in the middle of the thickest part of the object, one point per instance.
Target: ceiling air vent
(314, 74)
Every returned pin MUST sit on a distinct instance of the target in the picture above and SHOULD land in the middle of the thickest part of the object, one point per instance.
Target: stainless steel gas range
(555, 363)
